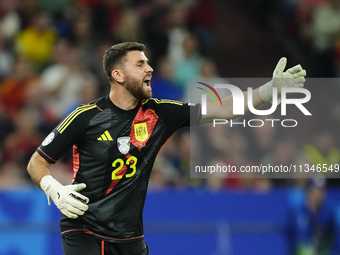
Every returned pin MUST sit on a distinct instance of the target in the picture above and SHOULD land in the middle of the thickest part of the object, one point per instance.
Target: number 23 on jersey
(118, 164)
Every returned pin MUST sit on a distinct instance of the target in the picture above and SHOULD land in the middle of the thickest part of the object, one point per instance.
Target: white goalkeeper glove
(66, 198)
(293, 77)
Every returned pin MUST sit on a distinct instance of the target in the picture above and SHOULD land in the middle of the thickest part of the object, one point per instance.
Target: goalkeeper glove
(66, 198)
(293, 77)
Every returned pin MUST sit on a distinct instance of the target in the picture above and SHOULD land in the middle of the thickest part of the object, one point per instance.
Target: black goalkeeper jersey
(113, 154)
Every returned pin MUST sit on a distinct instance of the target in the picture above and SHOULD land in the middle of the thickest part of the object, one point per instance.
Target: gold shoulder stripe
(79, 112)
(168, 101)
(164, 101)
(61, 125)
(72, 116)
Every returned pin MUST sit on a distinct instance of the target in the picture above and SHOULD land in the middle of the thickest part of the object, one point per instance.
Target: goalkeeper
(115, 141)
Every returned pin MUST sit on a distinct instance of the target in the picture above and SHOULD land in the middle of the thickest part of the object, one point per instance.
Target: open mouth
(147, 82)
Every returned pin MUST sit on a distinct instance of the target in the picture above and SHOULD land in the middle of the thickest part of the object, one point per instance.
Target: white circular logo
(48, 139)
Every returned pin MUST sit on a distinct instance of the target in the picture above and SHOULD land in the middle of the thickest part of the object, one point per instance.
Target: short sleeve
(65, 135)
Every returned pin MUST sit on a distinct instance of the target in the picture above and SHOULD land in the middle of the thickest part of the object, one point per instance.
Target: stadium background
(50, 61)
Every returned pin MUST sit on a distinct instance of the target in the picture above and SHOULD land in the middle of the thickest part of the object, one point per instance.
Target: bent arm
(38, 168)
(226, 110)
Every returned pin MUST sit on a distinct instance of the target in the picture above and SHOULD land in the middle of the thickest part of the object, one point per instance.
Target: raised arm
(293, 77)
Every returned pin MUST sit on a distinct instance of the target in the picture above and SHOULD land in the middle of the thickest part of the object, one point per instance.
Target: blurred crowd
(310, 29)
(51, 61)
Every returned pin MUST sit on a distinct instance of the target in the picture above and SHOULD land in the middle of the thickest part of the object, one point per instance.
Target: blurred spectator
(326, 33)
(306, 8)
(262, 140)
(179, 154)
(64, 80)
(208, 74)
(189, 66)
(305, 13)
(217, 140)
(236, 155)
(216, 146)
(209, 69)
(322, 150)
(13, 177)
(177, 19)
(237, 148)
(154, 20)
(6, 58)
(88, 93)
(268, 11)
(338, 54)
(285, 153)
(162, 82)
(183, 147)
(34, 103)
(96, 66)
(82, 36)
(105, 14)
(36, 41)
(157, 180)
(52, 6)
(128, 28)
(13, 89)
(313, 221)
(218, 182)
(23, 141)
(10, 22)
(203, 18)
(87, 3)
(164, 174)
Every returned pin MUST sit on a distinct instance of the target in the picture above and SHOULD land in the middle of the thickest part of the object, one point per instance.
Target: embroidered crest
(48, 139)
(141, 131)
(123, 144)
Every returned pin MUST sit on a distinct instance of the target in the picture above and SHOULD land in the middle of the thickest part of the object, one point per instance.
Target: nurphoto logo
(239, 102)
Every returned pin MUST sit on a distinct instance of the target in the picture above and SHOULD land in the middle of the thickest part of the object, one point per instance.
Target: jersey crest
(141, 132)
(48, 139)
(123, 144)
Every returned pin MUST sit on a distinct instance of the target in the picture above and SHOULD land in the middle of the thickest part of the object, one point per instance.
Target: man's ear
(118, 75)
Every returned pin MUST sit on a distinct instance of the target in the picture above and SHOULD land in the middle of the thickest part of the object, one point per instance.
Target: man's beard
(136, 88)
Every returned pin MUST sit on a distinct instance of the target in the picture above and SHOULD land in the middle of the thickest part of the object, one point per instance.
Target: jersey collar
(125, 114)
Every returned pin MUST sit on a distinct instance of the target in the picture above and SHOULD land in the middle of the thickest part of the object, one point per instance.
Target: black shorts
(81, 243)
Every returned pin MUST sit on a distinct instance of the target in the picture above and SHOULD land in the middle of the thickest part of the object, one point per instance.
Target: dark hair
(114, 55)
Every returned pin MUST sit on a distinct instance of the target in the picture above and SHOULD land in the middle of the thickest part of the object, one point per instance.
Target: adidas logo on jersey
(105, 137)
